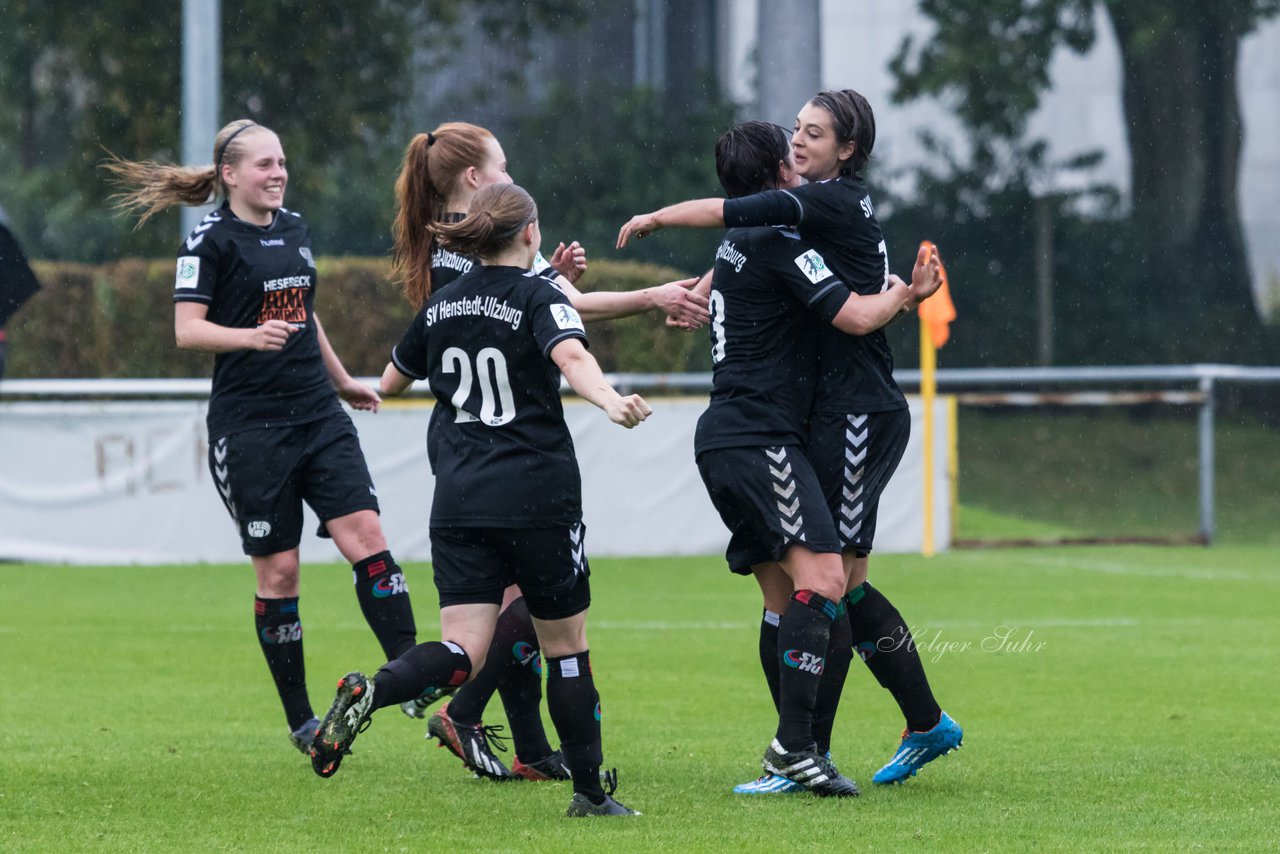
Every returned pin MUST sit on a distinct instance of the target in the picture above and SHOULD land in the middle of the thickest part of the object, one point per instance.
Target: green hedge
(116, 320)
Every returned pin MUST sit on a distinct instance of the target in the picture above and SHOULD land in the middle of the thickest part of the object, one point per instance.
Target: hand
(926, 276)
(570, 261)
(628, 411)
(672, 323)
(680, 304)
(271, 335)
(359, 395)
(639, 226)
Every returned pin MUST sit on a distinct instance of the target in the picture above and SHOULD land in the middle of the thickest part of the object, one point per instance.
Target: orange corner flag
(938, 311)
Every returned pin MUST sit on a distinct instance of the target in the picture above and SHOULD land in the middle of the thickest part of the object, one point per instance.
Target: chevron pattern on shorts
(576, 549)
(220, 476)
(784, 488)
(852, 506)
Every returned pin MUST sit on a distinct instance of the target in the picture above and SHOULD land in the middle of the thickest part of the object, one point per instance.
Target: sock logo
(597, 712)
(283, 633)
(865, 650)
(527, 653)
(390, 586)
(806, 661)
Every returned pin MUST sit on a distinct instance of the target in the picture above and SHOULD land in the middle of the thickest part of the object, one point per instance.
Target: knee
(277, 577)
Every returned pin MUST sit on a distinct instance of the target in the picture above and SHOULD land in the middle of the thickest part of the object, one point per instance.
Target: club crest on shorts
(259, 529)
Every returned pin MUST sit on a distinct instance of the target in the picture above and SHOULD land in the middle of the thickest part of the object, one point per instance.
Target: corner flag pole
(928, 392)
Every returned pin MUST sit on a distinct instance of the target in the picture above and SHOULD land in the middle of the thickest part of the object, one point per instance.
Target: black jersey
(248, 274)
(769, 292)
(497, 442)
(836, 216)
(447, 265)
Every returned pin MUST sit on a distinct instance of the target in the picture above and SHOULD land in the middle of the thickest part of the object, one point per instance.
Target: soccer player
(859, 425)
(770, 290)
(278, 436)
(441, 174)
(507, 506)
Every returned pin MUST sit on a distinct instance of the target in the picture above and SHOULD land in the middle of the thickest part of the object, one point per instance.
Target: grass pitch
(1111, 697)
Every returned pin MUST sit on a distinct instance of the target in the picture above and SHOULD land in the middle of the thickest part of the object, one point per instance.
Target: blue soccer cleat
(769, 784)
(920, 748)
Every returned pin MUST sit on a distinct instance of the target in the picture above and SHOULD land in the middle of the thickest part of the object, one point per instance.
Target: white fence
(118, 481)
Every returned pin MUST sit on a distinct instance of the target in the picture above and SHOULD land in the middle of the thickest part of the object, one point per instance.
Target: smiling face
(818, 152)
(256, 181)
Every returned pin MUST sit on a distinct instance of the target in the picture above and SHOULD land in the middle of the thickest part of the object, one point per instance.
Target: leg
(279, 630)
(379, 582)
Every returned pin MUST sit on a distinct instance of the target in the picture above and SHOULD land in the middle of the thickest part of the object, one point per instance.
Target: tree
(1182, 113)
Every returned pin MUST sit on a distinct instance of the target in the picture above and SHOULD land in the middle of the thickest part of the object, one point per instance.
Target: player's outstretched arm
(676, 299)
(582, 372)
(696, 213)
(861, 313)
(193, 331)
(702, 291)
(354, 392)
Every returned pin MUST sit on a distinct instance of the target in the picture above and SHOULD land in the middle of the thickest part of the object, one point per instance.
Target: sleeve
(410, 355)
(553, 318)
(542, 266)
(805, 274)
(815, 206)
(197, 273)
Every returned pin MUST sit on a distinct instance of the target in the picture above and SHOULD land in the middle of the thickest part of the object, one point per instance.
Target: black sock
(521, 685)
(384, 601)
(280, 635)
(885, 644)
(803, 633)
(434, 663)
(830, 689)
(769, 652)
(575, 711)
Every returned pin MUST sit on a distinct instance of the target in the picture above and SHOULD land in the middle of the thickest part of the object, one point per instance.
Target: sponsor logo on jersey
(731, 256)
(806, 661)
(259, 529)
(566, 316)
(305, 252)
(285, 633)
(188, 272)
(286, 282)
(390, 586)
(813, 266)
(490, 307)
(275, 241)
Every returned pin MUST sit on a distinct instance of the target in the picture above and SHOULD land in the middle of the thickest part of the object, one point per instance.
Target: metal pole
(1044, 277)
(201, 89)
(1206, 460)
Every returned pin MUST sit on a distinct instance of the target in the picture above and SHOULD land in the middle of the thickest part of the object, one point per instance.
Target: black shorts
(769, 499)
(855, 456)
(474, 565)
(264, 476)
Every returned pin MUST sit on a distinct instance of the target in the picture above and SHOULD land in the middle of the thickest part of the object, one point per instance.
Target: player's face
(818, 152)
(256, 183)
(494, 169)
(788, 177)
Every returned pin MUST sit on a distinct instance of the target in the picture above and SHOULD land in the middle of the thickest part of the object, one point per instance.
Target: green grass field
(1132, 705)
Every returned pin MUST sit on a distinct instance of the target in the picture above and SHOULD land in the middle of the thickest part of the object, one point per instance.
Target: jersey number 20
(495, 385)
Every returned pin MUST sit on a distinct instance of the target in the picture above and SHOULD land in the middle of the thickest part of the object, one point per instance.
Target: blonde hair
(434, 162)
(498, 214)
(151, 186)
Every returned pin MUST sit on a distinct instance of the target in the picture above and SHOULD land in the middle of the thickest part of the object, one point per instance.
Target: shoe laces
(492, 736)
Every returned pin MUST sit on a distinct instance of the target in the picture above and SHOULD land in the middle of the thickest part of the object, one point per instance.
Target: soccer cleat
(810, 769)
(768, 784)
(919, 748)
(303, 735)
(581, 806)
(346, 718)
(549, 768)
(417, 707)
(471, 744)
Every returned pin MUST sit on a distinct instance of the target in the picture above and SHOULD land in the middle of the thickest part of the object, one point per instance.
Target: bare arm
(674, 298)
(193, 331)
(696, 213)
(393, 382)
(862, 314)
(702, 291)
(359, 395)
(583, 374)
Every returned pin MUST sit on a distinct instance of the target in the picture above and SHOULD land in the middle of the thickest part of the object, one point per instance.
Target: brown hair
(150, 186)
(433, 164)
(498, 214)
(853, 121)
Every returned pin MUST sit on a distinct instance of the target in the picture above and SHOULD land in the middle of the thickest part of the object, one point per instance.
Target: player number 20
(495, 385)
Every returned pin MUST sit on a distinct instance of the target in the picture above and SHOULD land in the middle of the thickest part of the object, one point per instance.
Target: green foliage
(595, 158)
(116, 320)
(1151, 659)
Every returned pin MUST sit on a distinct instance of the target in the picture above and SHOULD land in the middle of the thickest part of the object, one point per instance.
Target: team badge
(813, 266)
(566, 317)
(188, 272)
(305, 252)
